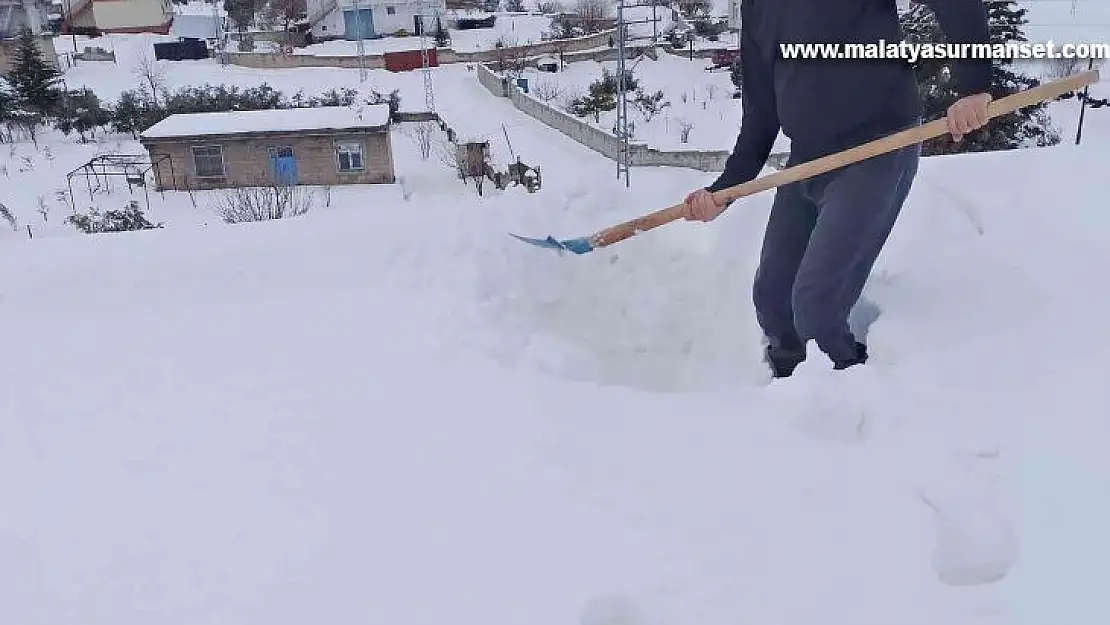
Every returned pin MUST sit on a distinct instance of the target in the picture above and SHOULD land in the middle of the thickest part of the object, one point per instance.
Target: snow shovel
(802, 171)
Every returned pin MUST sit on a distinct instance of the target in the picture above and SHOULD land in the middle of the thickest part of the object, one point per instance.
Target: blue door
(283, 167)
(353, 20)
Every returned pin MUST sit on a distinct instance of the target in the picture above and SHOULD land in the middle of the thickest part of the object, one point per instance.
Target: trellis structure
(133, 168)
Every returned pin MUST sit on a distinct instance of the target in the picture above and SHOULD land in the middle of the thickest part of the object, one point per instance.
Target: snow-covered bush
(126, 220)
(250, 204)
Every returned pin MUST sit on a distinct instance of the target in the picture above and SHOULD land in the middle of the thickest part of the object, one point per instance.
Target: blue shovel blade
(577, 246)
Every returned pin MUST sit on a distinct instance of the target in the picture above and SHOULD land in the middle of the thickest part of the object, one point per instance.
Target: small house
(300, 146)
(118, 16)
(346, 19)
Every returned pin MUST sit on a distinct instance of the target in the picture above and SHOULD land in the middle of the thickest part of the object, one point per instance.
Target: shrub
(126, 220)
(252, 204)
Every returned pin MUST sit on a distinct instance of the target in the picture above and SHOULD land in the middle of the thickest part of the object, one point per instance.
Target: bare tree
(241, 12)
(684, 128)
(151, 71)
(547, 90)
(592, 13)
(512, 56)
(421, 134)
(549, 7)
(1061, 67)
(249, 204)
(288, 12)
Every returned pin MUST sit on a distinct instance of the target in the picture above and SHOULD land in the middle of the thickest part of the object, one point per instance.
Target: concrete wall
(259, 60)
(246, 160)
(589, 136)
(596, 139)
(275, 60)
(8, 48)
(492, 82)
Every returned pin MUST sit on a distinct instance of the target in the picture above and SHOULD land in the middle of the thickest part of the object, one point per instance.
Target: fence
(277, 60)
(594, 138)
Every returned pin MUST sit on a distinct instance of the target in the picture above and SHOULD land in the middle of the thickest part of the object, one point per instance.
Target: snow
(509, 28)
(337, 118)
(299, 420)
(387, 410)
(195, 7)
(696, 97)
(196, 26)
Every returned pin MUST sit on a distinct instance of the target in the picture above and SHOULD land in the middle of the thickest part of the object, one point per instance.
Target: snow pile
(268, 423)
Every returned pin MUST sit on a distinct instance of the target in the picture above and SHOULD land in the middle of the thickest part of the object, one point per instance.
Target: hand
(701, 206)
(967, 114)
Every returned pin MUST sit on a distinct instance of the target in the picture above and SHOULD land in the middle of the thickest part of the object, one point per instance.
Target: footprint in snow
(975, 543)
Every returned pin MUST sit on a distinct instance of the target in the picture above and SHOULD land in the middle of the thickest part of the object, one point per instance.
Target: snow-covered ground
(703, 100)
(392, 410)
(511, 29)
(1062, 21)
(461, 94)
(387, 410)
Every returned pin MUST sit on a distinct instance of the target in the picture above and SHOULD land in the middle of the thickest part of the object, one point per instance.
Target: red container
(408, 60)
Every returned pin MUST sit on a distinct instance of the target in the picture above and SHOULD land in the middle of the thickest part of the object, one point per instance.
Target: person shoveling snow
(825, 233)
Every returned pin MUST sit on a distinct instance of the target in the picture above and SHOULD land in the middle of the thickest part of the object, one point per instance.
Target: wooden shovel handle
(917, 134)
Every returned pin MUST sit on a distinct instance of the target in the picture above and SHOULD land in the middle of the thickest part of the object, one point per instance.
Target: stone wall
(589, 136)
(595, 138)
(444, 56)
(493, 83)
(275, 60)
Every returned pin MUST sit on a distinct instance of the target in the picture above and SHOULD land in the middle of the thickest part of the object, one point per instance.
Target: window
(349, 157)
(283, 152)
(391, 10)
(208, 161)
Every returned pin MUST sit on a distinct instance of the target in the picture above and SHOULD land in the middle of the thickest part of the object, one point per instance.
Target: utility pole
(1083, 104)
(623, 160)
(624, 154)
(426, 11)
(360, 46)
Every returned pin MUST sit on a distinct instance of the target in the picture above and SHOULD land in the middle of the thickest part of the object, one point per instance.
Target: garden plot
(695, 112)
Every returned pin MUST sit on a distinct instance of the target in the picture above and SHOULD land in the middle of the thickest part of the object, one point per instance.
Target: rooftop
(334, 118)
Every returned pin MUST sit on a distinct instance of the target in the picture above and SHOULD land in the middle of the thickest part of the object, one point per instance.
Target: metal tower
(624, 155)
(360, 47)
(429, 18)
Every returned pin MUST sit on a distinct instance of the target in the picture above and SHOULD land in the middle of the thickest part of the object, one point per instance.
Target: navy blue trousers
(822, 239)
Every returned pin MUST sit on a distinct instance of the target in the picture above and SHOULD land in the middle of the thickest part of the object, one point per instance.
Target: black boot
(859, 359)
(783, 361)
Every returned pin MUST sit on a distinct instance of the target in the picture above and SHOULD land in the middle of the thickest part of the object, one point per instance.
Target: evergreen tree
(34, 81)
(736, 74)
(7, 101)
(1025, 127)
(82, 111)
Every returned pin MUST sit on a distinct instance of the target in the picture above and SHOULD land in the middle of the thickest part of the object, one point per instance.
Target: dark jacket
(828, 105)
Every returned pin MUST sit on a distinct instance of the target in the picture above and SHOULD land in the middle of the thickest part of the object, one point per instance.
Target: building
(15, 15)
(117, 16)
(344, 19)
(307, 146)
(734, 15)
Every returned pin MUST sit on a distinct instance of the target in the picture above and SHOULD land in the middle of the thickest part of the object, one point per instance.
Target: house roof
(324, 118)
(195, 25)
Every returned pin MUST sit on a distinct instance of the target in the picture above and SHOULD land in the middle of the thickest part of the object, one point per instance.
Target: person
(824, 233)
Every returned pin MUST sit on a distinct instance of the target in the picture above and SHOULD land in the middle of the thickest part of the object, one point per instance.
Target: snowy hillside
(388, 411)
(396, 413)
